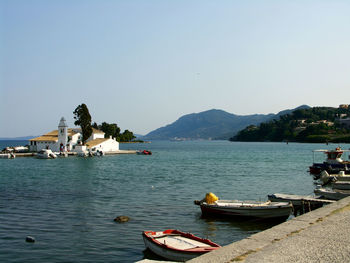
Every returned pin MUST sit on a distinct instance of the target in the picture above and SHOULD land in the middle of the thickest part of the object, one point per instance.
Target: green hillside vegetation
(112, 129)
(315, 125)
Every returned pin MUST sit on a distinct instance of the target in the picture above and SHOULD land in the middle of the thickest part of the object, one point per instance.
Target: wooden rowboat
(332, 194)
(248, 209)
(176, 245)
(211, 205)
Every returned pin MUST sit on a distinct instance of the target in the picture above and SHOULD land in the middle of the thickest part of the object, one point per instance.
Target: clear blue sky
(143, 64)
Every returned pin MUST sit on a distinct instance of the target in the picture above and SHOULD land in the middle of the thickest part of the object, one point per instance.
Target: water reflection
(247, 225)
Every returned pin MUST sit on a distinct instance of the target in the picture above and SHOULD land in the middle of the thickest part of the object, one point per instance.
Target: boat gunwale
(246, 205)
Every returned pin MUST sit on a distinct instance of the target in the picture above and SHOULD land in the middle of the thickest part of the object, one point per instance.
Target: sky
(143, 64)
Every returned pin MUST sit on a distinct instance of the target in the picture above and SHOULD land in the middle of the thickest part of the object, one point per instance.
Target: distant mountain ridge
(23, 138)
(212, 124)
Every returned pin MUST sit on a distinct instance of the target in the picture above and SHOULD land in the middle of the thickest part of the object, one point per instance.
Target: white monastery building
(69, 139)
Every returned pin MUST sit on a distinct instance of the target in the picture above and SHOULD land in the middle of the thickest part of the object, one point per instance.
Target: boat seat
(165, 235)
(180, 242)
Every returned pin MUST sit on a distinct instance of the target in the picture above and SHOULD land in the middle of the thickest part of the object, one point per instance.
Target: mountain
(211, 124)
(285, 112)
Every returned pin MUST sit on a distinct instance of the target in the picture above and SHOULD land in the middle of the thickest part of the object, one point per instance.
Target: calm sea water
(68, 204)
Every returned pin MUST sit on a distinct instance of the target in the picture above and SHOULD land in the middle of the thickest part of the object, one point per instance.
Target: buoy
(30, 239)
(122, 219)
(210, 198)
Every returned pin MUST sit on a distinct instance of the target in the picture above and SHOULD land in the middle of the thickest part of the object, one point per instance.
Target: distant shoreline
(17, 138)
(137, 142)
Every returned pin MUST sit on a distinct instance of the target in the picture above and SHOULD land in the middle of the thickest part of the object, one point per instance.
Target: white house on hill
(66, 139)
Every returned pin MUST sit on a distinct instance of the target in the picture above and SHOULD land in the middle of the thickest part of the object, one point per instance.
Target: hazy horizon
(144, 64)
(55, 128)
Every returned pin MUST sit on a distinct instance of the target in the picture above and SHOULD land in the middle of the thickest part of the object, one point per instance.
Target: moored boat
(332, 194)
(7, 155)
(299, 200)
(144, 152)
(245, 209)
(333, 163)
(328, 178)
(176, 245)
(46, 154)
(341, 185)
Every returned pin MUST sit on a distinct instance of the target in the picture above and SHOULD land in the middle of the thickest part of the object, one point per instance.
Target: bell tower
(62, 135)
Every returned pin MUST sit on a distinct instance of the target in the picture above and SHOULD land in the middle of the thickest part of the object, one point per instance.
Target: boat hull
(281, 212)
(169, 254)
(331, 168)
(165, 251)
(341, 185)
(332, 195)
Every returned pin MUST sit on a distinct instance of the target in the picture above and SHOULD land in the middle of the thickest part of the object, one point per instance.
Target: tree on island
(83, 119)
(126, 136)
(112, 129)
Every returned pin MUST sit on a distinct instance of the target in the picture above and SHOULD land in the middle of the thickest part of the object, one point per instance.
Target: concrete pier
(33, 154)
(322, 235)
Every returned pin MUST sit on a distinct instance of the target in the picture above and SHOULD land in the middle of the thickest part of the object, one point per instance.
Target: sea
(68, 205)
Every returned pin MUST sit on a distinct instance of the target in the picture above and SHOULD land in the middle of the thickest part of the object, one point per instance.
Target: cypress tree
(83, 119)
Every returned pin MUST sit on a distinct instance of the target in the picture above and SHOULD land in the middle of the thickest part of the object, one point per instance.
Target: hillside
(318, 124)
(211, 124)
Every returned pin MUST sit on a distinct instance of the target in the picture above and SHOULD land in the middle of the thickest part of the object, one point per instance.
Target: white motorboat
(327, 178)
(46, 154)
(7, 155)
(98, 153)
(332, 164)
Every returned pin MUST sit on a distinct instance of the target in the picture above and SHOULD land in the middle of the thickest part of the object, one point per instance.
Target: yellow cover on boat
(210, 198)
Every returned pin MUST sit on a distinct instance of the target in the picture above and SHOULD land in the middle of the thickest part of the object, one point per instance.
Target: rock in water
(30, 239)
(122, 219)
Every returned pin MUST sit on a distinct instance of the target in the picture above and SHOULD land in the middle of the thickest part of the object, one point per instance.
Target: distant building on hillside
(65, 139)
(343, 106)
(328, 123)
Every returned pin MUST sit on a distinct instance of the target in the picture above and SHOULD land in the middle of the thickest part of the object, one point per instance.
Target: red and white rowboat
(176, 245)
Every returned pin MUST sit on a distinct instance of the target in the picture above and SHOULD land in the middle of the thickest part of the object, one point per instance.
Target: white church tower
(62, 135)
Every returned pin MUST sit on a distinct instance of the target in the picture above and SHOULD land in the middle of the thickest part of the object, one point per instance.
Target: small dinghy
(46, 154)
(332, 194)
(144, 152)
(176, 245)
(211, 205)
